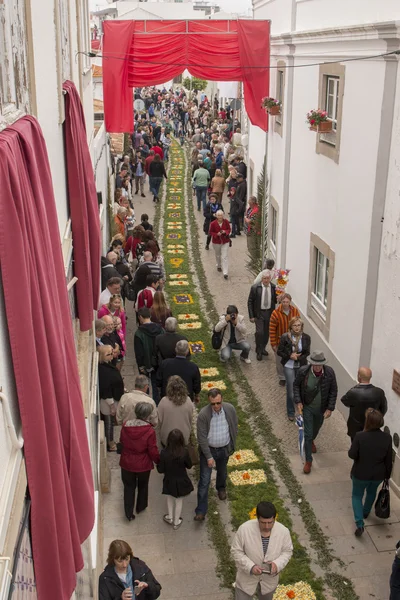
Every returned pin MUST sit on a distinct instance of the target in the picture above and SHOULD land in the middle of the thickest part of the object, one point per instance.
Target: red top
(139, 448)
(158, 151)
(148, 160)
(215, 228)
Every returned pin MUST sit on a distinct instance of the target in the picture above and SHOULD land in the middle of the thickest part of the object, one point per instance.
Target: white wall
(322, 14)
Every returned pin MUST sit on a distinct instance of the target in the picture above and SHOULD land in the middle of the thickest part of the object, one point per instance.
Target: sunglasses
(216, 403)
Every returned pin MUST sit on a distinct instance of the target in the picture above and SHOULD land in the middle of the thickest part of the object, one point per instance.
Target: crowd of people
(160, 426)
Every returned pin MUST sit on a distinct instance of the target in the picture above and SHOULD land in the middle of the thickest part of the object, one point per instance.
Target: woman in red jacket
(219, 231)
(138, 455)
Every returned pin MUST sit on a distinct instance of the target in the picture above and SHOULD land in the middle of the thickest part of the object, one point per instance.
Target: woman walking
(111, 388)
(174, 460)
(218, 184)
(160, 310)
(156, 174)
(294, 347)
(220, 230)
(213, 205)
(139, 452)
(371, 451)
(175, 410)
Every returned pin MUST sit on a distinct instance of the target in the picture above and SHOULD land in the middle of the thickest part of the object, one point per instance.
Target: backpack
(217, 337)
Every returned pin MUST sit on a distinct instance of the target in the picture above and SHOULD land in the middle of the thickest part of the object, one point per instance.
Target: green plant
(317, 116)
(269, 102)
(193, 83)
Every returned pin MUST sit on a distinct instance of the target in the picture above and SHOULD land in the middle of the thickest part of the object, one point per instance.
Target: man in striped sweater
(278, 325)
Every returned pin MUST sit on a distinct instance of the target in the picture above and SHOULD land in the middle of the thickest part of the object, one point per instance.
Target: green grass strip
(242, 499)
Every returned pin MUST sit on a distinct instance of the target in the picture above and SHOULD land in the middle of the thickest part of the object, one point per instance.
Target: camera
(232, 316)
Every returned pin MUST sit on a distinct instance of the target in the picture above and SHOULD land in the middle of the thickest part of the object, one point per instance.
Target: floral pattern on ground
(195, 325)
(297, 591)
(187, 316)
(175, 252)
(174, 226)
(210, 372)
(183, 299)
(197, 347)
(173, 236)
(249, 477)
(209, 385)
(178, 276)
(180, 282)
(242, 457)
(176, 262)
(174, 215)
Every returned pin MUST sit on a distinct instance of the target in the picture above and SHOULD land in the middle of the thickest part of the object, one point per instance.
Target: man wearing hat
(315, 392)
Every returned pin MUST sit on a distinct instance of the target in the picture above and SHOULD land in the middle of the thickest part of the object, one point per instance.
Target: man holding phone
(261, 549)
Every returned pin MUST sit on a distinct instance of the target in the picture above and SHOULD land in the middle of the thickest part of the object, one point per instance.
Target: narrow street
(185, 559)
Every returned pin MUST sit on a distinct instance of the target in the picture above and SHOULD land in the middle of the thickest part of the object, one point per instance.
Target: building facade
(333, 197)
(42, 45)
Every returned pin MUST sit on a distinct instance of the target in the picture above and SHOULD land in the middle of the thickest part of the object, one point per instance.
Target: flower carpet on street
(179, 282)
(298, 591)
(250, 477)
(173, 236)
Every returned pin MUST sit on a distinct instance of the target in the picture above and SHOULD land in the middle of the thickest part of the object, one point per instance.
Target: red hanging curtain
(213, 50)
(45, 367)
(84, 208)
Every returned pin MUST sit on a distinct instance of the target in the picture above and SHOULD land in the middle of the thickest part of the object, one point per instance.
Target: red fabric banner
(142, 53)
(44, 360)
(84, 208)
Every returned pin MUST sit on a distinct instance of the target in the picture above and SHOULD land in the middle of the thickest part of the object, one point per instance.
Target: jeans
(220, 455)
(262, 330)
(279, 368)
(227, 351)
(395, 580)
(152, 375)
(313, 419)
(139, 181)
(357, 494)
(201, 195)
(166, 151)
(154, 183)
(132, 481)
(290, 376)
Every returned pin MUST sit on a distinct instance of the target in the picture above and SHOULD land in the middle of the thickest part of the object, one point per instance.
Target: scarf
(129, 581)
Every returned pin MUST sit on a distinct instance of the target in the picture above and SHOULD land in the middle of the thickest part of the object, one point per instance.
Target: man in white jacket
(261, 548)
(233, 331)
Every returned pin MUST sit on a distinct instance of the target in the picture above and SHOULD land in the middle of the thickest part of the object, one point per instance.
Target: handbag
(216, 338)
(382, 504)
(193, 449)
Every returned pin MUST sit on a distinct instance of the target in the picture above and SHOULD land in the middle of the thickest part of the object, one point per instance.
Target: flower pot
(323, 127)
(274, 110)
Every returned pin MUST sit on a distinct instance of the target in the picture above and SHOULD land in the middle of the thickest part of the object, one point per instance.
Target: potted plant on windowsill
(272, 106)
(318, 121)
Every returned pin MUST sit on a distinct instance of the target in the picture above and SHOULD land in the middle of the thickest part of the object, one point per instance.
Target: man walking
(259, 555)
(217, 427)
(128, 401)
(180, 365)
(278, 325)
(261, 304)
(144, 346)
(315, 392)
(200, 181)
(359, 398)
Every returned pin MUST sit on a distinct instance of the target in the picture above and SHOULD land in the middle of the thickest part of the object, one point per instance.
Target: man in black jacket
(359, 398)
(144, 346)
(186, 369)
(166, 342)
(315, 392)
(261, 303)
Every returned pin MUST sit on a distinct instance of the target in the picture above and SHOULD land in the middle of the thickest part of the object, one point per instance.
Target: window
(322, 264)
(331, 89)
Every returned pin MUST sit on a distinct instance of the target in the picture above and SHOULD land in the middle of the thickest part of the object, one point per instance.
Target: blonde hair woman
(175, 410)
(218, 184)
(294, 347)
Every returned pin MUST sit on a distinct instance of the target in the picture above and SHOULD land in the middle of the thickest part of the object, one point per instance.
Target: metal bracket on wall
(16, 440)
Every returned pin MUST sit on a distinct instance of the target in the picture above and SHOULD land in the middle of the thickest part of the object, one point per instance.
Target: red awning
(141, 53)
(84, 208)
(44, 360)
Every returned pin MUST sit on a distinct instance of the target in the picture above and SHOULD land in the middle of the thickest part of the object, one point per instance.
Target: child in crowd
(118, 328)
(145, 223)
(174, 460)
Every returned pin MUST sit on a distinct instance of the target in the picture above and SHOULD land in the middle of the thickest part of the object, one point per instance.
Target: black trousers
(131, 481)
(262, 330)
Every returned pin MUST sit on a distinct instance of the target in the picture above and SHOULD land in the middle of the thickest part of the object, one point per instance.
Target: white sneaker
(246, 360)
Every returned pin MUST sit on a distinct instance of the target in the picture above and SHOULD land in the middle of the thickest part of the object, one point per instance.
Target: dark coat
(209, 214)
(111, 587)
(285, 348)
(372, 455)
(111, 384)
(176, 480)
(165, 345)
(107, 271)
(254, 300)
(139, 282)
(358, 399)
(144, 345)
(139, 448)
(328, 388)
(184, 368)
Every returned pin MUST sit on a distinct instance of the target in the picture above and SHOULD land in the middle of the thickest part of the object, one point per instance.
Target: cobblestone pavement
(328, 487)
